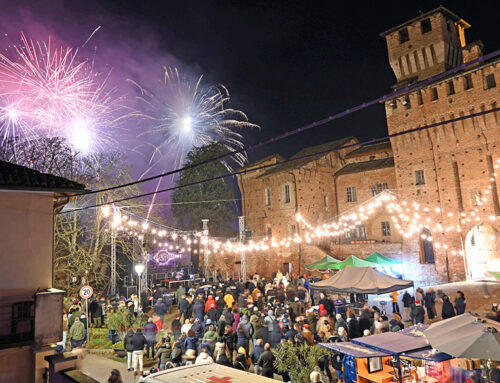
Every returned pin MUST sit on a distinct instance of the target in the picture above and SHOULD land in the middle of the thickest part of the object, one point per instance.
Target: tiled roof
(372, 148)
(14, 176)
(310, 151)
(365, 166)
(279, 158)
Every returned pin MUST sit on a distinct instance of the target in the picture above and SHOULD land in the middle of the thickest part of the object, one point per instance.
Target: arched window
(426, 247)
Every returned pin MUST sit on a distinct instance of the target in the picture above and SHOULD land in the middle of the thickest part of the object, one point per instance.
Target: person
(65, 328)
(266, 362)
(337, 364)
(241, 362)
(77, 334)
(95, 309)
(183, 306)
(406, 306)
(324, 366)
(394, 299)
(255, 355)
(138, 343)
(203, 357)
(396, 323)
(430, 303)
(494, 373)
(176, 327)
(115, 376)
(339, 322)
(419, 312)
(315, 377)
(220, 355)
(164, 354)
(150, 331)
(447, 311)
(460, 302)
(129, 348)
(353, 327)
(191, 341)
(160, 309)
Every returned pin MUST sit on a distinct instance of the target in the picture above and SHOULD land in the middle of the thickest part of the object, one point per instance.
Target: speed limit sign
(86, 292)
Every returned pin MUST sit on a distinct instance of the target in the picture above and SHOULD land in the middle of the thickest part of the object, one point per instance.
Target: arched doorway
(481, 249)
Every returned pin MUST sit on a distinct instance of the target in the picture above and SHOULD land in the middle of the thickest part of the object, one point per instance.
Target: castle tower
(425, 45)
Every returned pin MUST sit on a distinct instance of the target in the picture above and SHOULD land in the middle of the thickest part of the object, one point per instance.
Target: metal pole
(139, 292)
(241, 225)
(206, 271)
(113, 261)
(87, 315)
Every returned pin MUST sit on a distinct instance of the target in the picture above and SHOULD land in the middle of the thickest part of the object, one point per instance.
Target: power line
(372, 141)
(305, 127)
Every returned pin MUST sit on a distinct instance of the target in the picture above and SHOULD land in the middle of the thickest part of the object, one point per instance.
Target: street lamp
(139, 268)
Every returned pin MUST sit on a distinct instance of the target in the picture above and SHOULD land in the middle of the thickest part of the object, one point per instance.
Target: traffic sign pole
(85, 293)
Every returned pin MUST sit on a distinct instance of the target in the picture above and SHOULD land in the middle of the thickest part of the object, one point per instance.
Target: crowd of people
(239, 324)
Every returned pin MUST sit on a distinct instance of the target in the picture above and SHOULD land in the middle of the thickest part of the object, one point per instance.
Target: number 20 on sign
(86, 292)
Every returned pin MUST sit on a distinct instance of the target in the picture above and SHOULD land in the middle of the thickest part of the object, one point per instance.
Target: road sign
(86, 292)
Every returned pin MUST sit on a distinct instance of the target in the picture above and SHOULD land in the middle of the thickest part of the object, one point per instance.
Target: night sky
(286, 63)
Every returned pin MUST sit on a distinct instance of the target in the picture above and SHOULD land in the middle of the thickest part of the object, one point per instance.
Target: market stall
(325, 263)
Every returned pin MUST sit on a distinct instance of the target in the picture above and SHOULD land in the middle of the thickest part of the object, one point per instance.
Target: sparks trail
(47, 90)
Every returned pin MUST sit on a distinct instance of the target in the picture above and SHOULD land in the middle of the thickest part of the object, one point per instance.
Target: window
(450, 88)
(468, 82)
(379, 188)
(434, 94)
(420, 98)
(426, 247)
(393, 104)
(419, 177)
(351, 194)
(386, 229)
(406, 102)
(293, 230)
(287, 193)
(356, 234)
(325, 202)
(403, 36)
(426, 26)
(489, 81)
(269, 232)
(22, 324)
(268, 197)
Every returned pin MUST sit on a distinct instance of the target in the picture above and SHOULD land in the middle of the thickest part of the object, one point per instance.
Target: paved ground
(98, 367)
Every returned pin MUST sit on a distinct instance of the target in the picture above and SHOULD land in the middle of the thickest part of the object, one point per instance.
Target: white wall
(26, 237)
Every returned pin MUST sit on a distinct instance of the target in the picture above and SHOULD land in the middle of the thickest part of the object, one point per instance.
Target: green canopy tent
(325, 263)
(381, 260)
(354, 261)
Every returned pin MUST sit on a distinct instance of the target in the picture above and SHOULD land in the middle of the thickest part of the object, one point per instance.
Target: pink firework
(54, 94)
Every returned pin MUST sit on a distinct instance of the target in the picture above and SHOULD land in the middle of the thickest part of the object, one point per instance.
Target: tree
(82, 239)
(193, 203)
(298, 360)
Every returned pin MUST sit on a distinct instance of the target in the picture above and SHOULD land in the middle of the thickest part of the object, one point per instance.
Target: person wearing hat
(447, 311)
(204, 357)
(419, 312)
(241, 362)
(77, 334)
(164, 354)
(307, 334)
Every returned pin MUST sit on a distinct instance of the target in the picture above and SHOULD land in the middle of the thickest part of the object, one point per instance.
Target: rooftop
(370, 148)
(445, 11)
(17, 177)
(365, 166)
(279, 158)
(296, 161)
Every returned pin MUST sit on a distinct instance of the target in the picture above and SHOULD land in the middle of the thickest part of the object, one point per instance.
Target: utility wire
(305, 127)
(245, 171)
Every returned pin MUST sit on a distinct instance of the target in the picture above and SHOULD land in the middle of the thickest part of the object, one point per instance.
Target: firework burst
(184, 116)
(47, 90)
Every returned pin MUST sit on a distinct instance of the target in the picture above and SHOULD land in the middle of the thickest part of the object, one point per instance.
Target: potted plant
(298, 360)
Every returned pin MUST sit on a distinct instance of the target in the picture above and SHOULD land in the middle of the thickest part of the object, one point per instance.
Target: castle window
(420, 98)
(450, 88)
(403, 36)
(286, 192)
(406, 102)
(426, 26)
(269, 232)
(325, 202)
(394, 104)
(489, 81)
(293, 230)
(379, 188)
(386, 228)
(419, 177)
(426, 247)
(268, 196)
(434, 94)
(468, 82)
(351, 194)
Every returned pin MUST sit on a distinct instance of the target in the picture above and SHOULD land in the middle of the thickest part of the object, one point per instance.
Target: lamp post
(139, 268)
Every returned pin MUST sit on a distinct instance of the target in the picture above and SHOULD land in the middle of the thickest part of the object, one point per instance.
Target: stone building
(449, 168)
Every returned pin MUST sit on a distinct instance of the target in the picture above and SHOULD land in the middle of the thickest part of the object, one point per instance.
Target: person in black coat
(419, 312)
(138, 343)
(364, 321)
(129, 347)
(447, 311)
(95, 309)
(266, 362)
(353, 328)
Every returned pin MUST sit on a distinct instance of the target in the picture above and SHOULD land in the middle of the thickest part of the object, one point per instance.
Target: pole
(206, 271)
(241, 225)
(87, 315)
(113, 260)
(139, 292)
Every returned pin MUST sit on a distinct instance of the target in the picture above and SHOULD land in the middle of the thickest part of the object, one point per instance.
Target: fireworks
(184, 116)
(47, 90)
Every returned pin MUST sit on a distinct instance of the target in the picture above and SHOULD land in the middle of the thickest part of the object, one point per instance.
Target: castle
(449, 169)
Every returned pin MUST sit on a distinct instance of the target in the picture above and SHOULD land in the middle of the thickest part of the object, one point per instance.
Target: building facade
(30, 309)
(450, 168)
